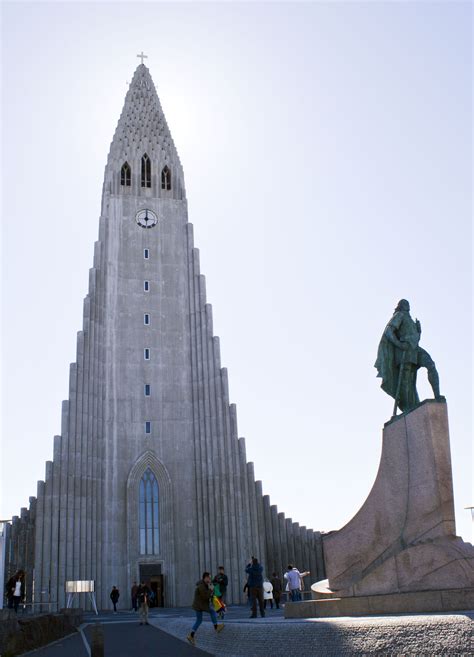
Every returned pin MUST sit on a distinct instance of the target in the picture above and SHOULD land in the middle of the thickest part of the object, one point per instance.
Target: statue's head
(403, 304)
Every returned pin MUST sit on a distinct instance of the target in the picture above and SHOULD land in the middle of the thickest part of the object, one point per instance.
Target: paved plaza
(409, 635)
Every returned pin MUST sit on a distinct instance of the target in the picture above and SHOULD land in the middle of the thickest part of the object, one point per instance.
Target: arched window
(146, 171)
(148, 514)
(126, 175)
(166, 178)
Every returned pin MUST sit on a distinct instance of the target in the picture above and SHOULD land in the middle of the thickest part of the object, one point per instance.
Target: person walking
(267, 593)
(142, 600)
(203, 603)
(114, 596)
(294, 578)
(276, 583)
(255, 582)
(133, 594)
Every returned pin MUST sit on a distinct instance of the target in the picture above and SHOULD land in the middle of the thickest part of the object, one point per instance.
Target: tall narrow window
(146, 286)
(126, 175)
(147, 389)
(146, 253)
(146, 353)
(147, 426)
(149, 514)
(166, 178)
(146, 319)
(146, 171)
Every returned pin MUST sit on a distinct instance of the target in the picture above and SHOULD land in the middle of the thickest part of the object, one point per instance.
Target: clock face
(146, 218)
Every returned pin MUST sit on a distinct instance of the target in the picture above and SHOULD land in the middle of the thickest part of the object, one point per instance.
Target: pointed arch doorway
(150, 528)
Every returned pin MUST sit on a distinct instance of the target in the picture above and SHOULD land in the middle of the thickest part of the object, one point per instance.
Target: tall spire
(142, 125)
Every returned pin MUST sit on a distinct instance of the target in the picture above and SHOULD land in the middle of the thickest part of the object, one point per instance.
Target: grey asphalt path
(122, 639)
(70, 646)
(131, 639)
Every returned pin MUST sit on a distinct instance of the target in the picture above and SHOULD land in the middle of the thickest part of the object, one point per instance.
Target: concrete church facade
(149, 479)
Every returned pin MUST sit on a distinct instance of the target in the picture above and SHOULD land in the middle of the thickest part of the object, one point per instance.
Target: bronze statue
(399, 357)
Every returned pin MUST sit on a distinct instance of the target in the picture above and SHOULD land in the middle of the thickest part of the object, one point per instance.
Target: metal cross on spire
(142, 56)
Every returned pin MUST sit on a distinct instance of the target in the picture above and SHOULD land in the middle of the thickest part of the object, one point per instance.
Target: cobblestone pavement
(394, 636)
(430, 635)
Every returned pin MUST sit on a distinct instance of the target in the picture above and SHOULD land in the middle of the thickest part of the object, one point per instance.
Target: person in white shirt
(16, 584)
(294, 578)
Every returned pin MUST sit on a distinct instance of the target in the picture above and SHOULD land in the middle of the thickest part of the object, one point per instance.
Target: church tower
(149, 479)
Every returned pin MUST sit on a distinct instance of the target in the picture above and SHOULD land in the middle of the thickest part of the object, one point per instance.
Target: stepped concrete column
(270, 552)
(277, 563)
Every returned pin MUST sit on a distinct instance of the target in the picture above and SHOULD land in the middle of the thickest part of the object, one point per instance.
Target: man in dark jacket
(203, 602)
(114, 596)
(255, 582)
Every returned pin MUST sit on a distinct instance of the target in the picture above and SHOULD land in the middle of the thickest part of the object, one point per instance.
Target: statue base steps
(414, 602)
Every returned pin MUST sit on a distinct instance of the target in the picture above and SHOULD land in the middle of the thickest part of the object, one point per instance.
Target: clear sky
(327, 151)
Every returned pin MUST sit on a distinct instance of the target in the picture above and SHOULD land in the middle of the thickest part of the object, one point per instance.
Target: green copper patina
(399, 357)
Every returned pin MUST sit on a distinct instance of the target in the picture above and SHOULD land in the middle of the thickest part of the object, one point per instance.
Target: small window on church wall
(149, 514)
(146, 171)
(166, 178)
(146, 319)
(126, 175)
(146, 253)
(148, 427)
(147, 389)
(146, 353)
(146, 286)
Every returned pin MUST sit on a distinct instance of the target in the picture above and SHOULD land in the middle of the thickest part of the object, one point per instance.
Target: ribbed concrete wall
(212, 511)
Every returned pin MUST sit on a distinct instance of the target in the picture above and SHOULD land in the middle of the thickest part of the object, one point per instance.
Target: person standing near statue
(399, 357)
(295, 579)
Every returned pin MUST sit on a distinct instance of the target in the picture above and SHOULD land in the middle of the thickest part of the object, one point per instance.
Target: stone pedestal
(403, 538)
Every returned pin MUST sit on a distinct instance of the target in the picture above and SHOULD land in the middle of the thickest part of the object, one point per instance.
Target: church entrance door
(150, 573)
